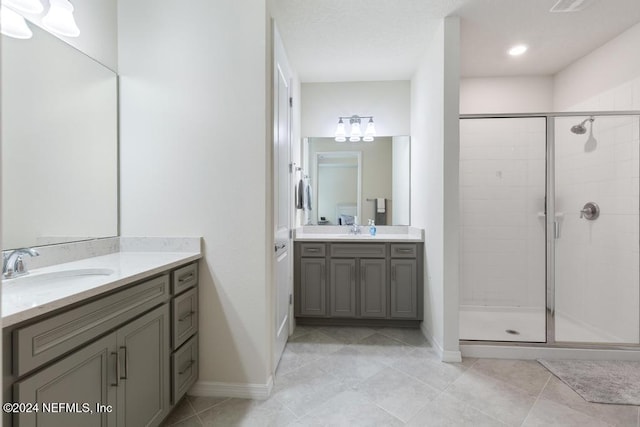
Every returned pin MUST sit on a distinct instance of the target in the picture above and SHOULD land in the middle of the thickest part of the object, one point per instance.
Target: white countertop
(24, 301)
(341, 233)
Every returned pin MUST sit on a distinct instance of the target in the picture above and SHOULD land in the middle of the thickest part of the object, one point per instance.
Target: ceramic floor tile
(182, 411)
(548, 413)
(348, 409)
(350, 366)
(397, 393)
(314, 343)
(528, 375)
(290, 360)
(246, 412)
(200, 404)
(345, 334)
(493, 397)
(424, 365)
(446, 411)
(411, 336)
(305, 389)
(382, 349)
(559, 392)
(193, 421)
(301, 330)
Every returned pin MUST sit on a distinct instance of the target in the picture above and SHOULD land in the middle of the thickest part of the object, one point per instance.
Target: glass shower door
(597, 291)
(502, 233)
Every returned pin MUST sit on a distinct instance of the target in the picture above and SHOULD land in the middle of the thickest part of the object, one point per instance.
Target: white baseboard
(240, 390)
(445, 355)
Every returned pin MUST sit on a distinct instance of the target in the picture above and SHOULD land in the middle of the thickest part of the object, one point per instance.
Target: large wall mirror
(352, 179)
(59, 144)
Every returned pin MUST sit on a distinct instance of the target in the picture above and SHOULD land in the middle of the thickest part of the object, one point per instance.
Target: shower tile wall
(502, 188)
(597, 262)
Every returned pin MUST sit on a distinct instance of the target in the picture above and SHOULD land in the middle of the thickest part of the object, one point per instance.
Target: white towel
(380, 205)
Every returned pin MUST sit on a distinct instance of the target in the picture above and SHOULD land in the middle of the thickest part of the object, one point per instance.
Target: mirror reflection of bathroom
(359, 181)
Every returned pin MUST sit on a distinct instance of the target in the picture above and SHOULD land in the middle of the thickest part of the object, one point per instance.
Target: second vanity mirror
(353, 179)
(59, 144)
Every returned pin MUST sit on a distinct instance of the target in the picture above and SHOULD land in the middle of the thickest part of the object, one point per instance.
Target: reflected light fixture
(13, 25)
(25, 6)
(356, 131)
(60, 20)
(518, 50)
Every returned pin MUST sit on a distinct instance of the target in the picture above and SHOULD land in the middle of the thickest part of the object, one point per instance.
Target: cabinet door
(404, 289)
(312, 287)
(373, 288)
(143, 349)
(85, 377)
(343, 288)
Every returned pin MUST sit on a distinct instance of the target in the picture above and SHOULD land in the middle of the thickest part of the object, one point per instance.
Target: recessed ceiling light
(518, 50)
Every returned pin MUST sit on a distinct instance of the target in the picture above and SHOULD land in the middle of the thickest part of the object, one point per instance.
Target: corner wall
(434, 180)
(195, 126)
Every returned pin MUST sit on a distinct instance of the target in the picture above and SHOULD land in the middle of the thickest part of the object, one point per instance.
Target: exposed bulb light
(518, 50)
(13, 25)
(25, 6)
(370, 131)
(60, 20)
(340, 133)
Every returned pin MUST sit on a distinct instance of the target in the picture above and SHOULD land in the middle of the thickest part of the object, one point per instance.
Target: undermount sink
(60, 276)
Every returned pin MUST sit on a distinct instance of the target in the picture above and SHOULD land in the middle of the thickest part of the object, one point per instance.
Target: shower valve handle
(590, 211)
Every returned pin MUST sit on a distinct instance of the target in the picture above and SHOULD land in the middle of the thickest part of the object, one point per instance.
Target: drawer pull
(126, 363)
(186, 316)
(117, 383)
(189, 365)
(312, 250)
(185, 278)
(404, 251)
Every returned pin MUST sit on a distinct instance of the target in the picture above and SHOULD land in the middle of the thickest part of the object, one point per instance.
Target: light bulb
(355, 130)
(25, 6)
(340, 133)
(370, 131)
(13, 25)
(60, 20)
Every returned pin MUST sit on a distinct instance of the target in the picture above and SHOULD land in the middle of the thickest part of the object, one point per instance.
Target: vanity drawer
(403, 250)
(312, 249)
(184, 315)
(184, 369)
(359, 250)
(184, 278)
(41, 342)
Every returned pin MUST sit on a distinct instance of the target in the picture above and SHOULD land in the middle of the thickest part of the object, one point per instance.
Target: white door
(281, 196)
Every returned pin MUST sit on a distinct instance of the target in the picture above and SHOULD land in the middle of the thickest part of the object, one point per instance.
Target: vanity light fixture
(13, 24)
(60, 20)
(356, 131)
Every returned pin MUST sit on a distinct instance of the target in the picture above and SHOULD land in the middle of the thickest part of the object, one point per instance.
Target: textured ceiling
(364, 40)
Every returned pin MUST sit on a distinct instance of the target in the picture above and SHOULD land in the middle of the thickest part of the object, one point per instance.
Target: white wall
(526, 94)
(434, 178)
(97, 21)
(389, 103)
(606, 79)
(195, 161)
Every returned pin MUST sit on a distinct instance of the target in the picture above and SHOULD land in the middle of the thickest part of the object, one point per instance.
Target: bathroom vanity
(344, 279)
(115, 344)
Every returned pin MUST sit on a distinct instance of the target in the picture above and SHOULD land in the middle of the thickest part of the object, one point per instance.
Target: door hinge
(290, 299)
(291, 101)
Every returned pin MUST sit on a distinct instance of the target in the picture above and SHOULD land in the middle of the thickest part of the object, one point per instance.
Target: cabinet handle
(189, 365)
(117, 383)
(186, 316)
(126, 363)
(185, 278)
(404, 251)
(312, 250)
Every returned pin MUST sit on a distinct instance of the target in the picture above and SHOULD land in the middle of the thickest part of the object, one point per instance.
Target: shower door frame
(550, 232)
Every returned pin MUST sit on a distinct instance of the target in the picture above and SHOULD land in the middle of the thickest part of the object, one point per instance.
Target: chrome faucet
(13, 264)
(354, 229)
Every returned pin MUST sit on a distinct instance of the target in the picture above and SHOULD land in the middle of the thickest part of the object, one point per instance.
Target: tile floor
(341, 376)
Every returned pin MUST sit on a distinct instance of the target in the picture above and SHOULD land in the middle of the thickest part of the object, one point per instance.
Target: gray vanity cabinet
(343, 287)
(137, 387)
(373, 288)
(367, 283)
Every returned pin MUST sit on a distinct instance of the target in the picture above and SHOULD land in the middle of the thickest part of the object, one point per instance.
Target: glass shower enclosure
(549, 235)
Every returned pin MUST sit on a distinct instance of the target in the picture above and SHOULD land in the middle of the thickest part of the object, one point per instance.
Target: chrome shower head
(581, 129)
